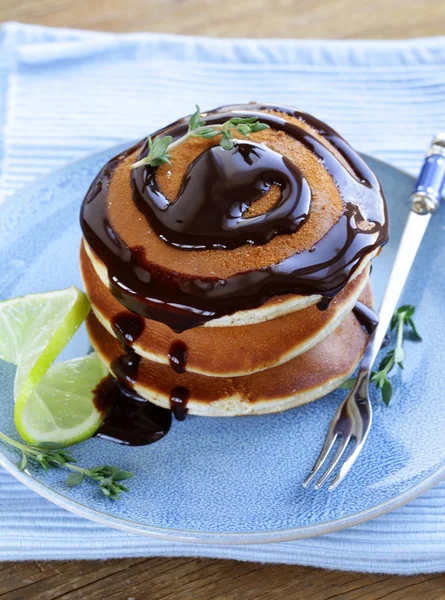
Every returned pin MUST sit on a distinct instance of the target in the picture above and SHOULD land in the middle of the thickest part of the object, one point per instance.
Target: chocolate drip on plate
(129, 419)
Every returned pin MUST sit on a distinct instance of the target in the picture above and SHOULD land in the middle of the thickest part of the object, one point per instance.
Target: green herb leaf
(160, 145)
(259, 127)
(195, 119)
(387, 362)
(406, 311)
(401, 319)
(386, 392)
(159, 149)
(243, 129)
(414, 333)
(74, 479)
(226, 141)
(157, 162)
(23, 462)
(106, 476)
(120, 475)
(242, 120)
(207, 135)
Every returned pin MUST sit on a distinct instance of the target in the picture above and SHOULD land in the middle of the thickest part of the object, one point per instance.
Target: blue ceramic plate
(239, 480)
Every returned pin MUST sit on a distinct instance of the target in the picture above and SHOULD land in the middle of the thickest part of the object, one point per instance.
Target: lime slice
(34, 329)
(60, 409)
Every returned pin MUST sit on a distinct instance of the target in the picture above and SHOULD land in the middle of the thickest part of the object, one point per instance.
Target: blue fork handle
(425, 200)
(430, 185)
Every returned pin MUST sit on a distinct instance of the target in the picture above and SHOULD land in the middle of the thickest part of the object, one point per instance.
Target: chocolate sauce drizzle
(128, 328)
(179, 398)
(124, 406)
(128, 419)
(182, 301)
(125, 368)
(177, 356)
(218, 189)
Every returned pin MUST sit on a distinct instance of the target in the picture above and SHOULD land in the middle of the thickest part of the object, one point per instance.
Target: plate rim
(201, 537)
(221, 538)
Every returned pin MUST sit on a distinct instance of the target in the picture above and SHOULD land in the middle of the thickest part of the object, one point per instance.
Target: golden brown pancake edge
(298, 381)
(229, 352)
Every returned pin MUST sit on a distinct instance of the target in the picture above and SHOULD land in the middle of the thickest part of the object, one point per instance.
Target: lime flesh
(53, 403)
(60, 409)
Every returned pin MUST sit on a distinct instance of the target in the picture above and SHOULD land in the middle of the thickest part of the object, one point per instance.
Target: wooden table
(181, 579)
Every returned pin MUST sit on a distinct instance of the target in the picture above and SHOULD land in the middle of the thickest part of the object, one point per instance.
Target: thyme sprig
(159, 149)
(47, 456)
(402, 323)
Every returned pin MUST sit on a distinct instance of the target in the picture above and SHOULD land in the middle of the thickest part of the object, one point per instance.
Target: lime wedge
(60, 409)
(34, 329)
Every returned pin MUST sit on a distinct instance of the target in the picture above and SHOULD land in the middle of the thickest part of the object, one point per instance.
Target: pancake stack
(224, 282)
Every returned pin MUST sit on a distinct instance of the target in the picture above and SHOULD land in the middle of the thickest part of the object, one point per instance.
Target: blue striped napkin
(65, 94)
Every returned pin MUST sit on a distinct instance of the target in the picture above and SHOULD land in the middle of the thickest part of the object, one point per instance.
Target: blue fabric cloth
(65, 94)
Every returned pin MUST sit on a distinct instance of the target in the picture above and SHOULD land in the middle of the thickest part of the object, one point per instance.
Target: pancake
(295, 264)
(125, 218)
(223, 257)
(218, 352)
(273, 308)
(303, 379)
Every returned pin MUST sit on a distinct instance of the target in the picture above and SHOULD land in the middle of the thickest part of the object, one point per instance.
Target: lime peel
(59, 339)
(34, 329)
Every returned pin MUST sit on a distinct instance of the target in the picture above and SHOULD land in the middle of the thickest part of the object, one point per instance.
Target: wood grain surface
(196, 579)
(181, 579)
(231, 18)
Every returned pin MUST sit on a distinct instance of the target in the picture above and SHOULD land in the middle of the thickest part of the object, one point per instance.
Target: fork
(352, 421)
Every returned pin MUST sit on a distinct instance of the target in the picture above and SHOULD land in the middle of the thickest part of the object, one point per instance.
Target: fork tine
(327, 447)
(334, 462)
(347, 465)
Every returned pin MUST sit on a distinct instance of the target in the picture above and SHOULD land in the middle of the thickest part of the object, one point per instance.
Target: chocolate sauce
(183, 301)
(125, 368)
(367, 317)
(128, 328)
(324, 303)
(128, 418)
(218, 189)
(179, 398)
(177, 355)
